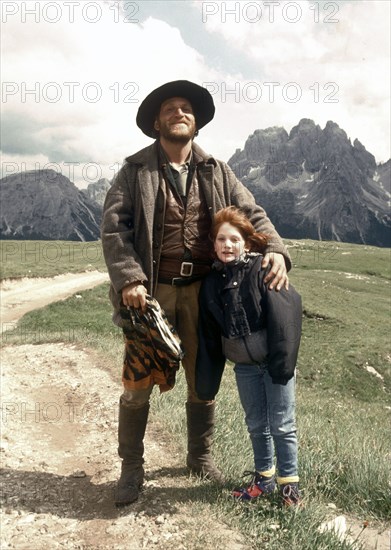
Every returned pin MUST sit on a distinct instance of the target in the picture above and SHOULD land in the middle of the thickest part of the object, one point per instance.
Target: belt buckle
(186, 269)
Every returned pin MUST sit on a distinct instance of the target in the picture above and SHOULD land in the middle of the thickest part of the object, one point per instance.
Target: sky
(75, 72)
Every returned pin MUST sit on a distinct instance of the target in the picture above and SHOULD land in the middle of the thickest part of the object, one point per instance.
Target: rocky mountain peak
(306, 125)
(332, 129)
(315, 184)
(44, 204)
(97, 191)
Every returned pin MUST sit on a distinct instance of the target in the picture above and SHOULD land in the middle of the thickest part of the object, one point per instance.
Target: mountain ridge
(45, 205)
(316, 184)
(313, 184)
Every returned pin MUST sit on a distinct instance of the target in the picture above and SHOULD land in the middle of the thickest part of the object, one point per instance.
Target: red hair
(255, 242)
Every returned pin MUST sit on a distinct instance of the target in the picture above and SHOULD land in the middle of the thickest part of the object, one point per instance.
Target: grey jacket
(133, 216)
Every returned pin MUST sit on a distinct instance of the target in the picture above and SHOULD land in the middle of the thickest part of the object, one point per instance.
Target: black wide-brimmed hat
(199, 97)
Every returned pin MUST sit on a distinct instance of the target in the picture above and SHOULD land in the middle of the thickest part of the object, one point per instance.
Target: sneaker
(290, 494)
(259, 486)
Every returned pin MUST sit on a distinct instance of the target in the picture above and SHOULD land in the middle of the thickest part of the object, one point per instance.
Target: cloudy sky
(74, 73)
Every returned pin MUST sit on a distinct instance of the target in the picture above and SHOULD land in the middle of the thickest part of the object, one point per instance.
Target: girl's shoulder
(254, 259)
(254, 256)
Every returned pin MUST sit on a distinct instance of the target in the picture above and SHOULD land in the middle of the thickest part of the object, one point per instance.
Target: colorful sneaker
(290, 494)
(259, 486)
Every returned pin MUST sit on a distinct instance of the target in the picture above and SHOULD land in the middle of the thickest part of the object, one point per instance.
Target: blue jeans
(270, 418)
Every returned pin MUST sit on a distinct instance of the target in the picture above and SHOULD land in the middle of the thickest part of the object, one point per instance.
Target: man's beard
(183, 136)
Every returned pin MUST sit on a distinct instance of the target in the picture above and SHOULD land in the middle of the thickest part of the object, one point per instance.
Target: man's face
(176, 121)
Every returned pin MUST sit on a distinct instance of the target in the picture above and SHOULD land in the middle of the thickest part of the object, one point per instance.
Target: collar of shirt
(163, 160)
(178, 174)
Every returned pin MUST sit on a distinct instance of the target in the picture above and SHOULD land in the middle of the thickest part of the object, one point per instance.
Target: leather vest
(187, 229)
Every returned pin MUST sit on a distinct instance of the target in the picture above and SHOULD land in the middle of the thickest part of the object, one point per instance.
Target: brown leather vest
(187, 228)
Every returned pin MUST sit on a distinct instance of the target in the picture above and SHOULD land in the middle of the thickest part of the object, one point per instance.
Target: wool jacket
(234, 302)
(133, 216)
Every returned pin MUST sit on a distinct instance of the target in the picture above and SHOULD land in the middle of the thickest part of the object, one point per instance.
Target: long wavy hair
(254, 242)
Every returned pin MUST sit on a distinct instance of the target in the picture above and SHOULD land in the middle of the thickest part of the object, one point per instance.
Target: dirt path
(22, 295)
(59, 421)
(59, 451)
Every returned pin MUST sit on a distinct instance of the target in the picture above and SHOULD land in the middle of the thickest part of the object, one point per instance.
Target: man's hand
(134, 295)
(277, 274)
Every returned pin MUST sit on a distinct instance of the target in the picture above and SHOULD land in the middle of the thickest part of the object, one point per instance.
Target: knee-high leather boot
(200, 428)
(131, 431)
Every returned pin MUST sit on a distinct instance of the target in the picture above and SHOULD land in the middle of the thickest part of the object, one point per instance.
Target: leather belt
(178, 272)
(179, 281)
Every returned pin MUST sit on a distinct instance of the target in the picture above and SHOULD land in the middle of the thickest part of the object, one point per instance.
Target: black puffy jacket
(234, 302)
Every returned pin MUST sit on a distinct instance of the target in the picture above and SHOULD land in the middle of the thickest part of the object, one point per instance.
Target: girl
(258, 330)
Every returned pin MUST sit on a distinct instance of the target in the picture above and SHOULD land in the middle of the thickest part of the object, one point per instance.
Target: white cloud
(122, 62)
(98, 73)
(350, 55)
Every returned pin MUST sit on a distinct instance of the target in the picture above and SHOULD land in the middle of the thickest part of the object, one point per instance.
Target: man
(155, 228)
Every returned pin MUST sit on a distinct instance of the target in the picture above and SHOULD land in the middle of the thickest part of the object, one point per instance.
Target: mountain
(384, 175)
(45, 205)
(97, 191)
(315, 184)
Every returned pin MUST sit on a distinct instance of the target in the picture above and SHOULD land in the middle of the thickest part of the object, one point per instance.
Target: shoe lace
(290, 492)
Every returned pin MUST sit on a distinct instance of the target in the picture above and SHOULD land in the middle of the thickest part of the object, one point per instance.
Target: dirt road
(59, 452)
(22, 295)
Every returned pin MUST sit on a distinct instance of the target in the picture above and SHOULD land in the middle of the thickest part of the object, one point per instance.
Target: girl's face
(229, 243)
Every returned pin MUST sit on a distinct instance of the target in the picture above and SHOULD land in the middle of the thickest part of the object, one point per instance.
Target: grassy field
(343, 393)
(49, 258)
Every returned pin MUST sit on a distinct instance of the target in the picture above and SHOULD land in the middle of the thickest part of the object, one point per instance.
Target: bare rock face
(97, 191)
(383, 175)
(45, 205)
(315, 184)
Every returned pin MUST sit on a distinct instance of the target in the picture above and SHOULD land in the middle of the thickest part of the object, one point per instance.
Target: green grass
(49, 258)
(84, 318)
(343, 257)
(342, 409)
(346, 323)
